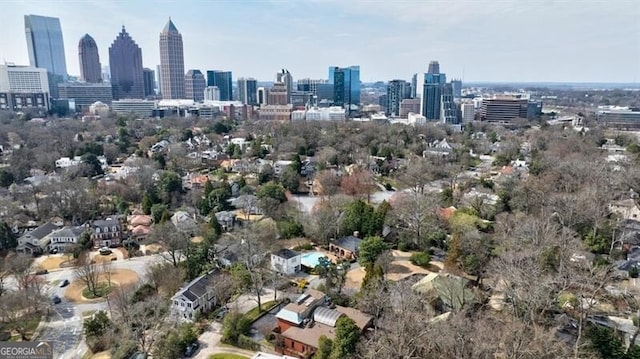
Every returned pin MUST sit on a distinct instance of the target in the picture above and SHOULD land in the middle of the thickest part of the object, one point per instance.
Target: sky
(476, 40)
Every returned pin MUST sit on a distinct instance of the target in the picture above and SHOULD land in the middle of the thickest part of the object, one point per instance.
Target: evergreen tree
(347, 336)
(146, 204)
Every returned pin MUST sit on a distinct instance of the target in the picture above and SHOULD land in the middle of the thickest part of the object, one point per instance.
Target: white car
(104, 251)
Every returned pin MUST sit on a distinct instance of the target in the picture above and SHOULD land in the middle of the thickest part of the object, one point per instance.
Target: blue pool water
(311, 259)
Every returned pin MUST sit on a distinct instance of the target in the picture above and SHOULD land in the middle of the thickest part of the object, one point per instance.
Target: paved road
(64, 328)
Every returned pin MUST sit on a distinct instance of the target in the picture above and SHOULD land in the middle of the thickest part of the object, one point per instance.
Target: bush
(233, 326)
(633, 272)
(245, 342)
(304, 247)
(420, 259)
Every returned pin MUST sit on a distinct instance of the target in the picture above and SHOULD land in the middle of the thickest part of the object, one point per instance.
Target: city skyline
(506, 41)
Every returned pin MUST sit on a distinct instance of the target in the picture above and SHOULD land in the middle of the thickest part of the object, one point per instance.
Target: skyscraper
(90, 70)
(222, 80)
(125, 62)
(397, 90)
(432, 92)
(172, 62)
(277, 94)
(46, 48)
(194, 84)
(285, 77)
(149, 81)
(248, 91)
(448, 108)
(456, 85)
(346, 85)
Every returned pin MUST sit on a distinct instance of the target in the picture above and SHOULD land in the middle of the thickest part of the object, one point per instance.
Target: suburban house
(65, 238)
(346, 247)
(286, 261)
(438, 148)
(36, 241)
(184, 222)
(280, 166)
(303, 322)
(626, 209)
(226, 220)
(106, 232)
(194, 298)
(139, 225)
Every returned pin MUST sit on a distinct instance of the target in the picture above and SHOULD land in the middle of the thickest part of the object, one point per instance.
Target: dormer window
(97, 229)
(106, 229)
(114, 229)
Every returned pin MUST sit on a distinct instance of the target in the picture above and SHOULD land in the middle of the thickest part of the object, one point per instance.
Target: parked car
(221, 313)
(191, 349)
(64, 283)
(104, 251)
(56, 299)
(54, 251)
(42, 272)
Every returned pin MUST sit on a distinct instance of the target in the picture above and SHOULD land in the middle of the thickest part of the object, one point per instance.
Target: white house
(194, 298)
(63, 239)
(626, 209)
(66, 162)
(37, 240)
(279, 166)
(286, 261)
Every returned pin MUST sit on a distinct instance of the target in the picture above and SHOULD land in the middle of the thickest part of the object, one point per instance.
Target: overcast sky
(477, 40)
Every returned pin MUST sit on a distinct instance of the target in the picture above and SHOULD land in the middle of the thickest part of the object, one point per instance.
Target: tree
(234, 325)
(370, 249)
(8, 240)
(170, 183)
(107, 271)
(174, 241)
(325, 345)
(272, 190)
(157, 210)
(89, 274)
(94, 165)
(146, 204)
(97, 325)
(347, 336)
(289, 179)
(6, 178)
(359, 184)
(414, 215)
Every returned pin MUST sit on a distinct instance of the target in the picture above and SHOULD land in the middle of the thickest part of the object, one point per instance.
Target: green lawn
(254, 313)
(227, 356)
(102, 289)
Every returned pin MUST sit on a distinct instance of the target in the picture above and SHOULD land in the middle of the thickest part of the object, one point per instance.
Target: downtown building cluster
(126, 86)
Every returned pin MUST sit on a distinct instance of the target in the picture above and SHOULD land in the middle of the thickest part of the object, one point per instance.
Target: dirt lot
(102, 355)
(56, 262)
(121, 277)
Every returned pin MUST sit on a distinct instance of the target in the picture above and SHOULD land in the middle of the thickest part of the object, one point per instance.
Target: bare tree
(175, 242)
(415, 214)
(20, 266)
(89, 274)
(107, 271)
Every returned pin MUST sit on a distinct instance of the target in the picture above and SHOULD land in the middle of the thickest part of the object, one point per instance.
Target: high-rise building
(278, 94)
(448, 108)
(397, 90)
(503, 108)
(223, 81)
(468, 112)
(409, 105)
(434, 67)
(456, 85)
(172, 62)
(125, 62)
(149, 80)
(90, 70)
(285, 77)
(310, 85)
(23, 87)
(346, 85)
(159, 80)
(106, 73)
(85, 94)
(211, 93)
(194, 84)
(46, 48)
(263, 96)
(248, 91)
(432, 92)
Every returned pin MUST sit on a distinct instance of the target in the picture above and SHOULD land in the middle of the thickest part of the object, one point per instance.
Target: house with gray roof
(194, 298)
(286, 261)
(65, 238)
(346, 247)
(37, 240)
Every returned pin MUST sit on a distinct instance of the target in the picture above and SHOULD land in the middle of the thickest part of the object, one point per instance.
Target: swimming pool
(311, 259)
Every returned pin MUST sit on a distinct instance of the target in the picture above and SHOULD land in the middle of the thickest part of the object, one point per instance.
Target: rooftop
(286, 253)
(351, 243)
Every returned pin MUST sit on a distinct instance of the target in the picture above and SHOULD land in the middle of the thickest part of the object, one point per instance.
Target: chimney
(356, 234)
